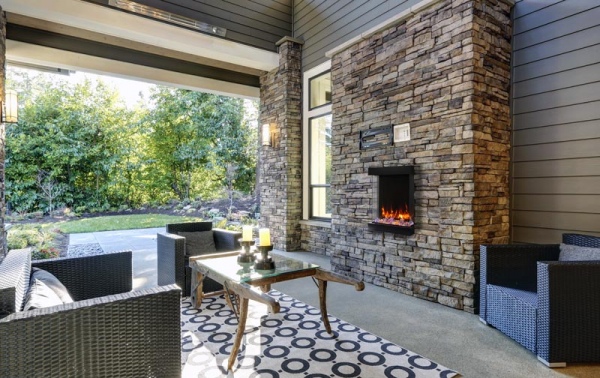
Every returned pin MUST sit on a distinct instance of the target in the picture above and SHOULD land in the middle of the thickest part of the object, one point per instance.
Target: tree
(192, 138)
(77, 145)
(72, 133)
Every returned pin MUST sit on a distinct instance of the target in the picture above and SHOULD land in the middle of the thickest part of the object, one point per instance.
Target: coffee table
(242, 282)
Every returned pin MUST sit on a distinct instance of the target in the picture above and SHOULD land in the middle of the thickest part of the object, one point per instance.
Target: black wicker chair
(109, 331)
(173, 257)
(550, 307)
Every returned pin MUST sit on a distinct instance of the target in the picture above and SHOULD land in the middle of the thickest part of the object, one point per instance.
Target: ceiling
(84, 36)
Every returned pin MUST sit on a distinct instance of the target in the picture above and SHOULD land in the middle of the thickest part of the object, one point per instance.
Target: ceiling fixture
(158, 14)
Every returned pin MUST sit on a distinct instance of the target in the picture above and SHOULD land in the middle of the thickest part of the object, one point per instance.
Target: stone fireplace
(444, 70)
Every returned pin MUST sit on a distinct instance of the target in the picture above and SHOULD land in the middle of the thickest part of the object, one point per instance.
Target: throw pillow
(40, 295)
(53, 283)
(570, 252)
(199, 242)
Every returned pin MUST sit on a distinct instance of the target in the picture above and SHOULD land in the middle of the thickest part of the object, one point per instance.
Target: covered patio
(473, 122)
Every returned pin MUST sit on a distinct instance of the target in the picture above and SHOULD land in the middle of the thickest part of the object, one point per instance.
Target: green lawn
(120, 222)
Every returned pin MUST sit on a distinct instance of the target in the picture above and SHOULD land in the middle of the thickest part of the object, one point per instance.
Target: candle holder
(264, 262)
(246, 257)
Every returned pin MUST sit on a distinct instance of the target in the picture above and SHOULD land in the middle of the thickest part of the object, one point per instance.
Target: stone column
(3, 242)
(281, 163)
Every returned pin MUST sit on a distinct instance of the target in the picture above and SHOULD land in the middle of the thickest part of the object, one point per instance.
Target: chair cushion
(40, 295)
(52, 282)
(570, 252)
(199, 242)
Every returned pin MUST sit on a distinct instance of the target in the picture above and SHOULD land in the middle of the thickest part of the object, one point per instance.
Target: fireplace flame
(395, 217)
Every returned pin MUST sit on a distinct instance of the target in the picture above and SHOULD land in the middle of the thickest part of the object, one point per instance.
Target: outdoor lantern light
(9, 108)
(266, 135)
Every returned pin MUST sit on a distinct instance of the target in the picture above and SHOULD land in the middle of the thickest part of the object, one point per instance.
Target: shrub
(80, 209)
(16, 241)
(45, 253)
(40, 240)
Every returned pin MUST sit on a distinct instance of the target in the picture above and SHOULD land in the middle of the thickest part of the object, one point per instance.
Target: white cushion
(40, 296)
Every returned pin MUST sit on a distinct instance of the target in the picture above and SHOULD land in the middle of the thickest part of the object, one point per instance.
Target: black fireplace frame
(408, 170)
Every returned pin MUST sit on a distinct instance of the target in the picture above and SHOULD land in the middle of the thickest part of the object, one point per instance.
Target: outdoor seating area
(335, 188)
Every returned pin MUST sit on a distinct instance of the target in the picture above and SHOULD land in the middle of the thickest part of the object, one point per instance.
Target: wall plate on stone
(402, 132)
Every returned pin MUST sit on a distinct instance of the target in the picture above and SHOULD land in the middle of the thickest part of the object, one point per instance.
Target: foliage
(120, 222)
(79, 146)
(40, 238)
(193, 137)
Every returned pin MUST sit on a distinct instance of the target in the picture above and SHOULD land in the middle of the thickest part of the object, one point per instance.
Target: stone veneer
(280, 176)
(3, 242)
(446, 71)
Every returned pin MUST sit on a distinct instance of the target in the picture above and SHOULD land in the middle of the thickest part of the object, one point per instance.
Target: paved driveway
(141, 242)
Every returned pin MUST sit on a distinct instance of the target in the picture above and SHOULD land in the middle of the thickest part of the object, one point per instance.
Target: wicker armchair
(550, 307)
(109, 330)
(173, 257)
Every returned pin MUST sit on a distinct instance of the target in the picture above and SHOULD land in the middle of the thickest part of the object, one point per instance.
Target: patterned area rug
(291, 343)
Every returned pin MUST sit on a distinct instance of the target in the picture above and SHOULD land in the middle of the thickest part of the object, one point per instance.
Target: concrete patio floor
(450, 337)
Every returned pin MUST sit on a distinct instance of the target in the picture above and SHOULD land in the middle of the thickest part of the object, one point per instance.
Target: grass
(120, 222)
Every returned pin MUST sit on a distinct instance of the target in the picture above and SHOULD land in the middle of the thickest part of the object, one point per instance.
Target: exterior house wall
(556, 119)
(255, 23)
(326, 24)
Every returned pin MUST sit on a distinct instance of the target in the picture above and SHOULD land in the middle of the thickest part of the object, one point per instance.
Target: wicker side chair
(173, 256)
(550, 307)
(108, 331)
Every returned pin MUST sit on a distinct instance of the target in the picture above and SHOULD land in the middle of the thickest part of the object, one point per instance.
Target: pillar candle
(264, 237)
(247, 233)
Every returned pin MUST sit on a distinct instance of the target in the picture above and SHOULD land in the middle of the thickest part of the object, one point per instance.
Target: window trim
(308, 114)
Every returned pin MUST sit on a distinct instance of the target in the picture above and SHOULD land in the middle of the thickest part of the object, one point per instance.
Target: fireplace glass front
(394, 211)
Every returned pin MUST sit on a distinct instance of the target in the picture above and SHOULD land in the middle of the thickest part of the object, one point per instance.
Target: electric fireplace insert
(395, 204)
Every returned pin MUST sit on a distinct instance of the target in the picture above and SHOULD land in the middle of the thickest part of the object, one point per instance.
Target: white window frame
(307, 115)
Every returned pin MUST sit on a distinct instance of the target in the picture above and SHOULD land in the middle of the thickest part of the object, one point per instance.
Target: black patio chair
(108, 330)
(550, 307)
(173, 253)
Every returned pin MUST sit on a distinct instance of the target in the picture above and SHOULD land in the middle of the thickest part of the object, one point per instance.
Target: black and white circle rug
(293, 343)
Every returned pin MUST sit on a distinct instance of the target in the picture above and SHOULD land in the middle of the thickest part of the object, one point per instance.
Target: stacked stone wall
(316, 239)
(280, 177)
(445, 71)
(3, 242)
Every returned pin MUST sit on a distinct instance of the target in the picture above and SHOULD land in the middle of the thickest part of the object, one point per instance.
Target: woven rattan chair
(173, 257)
(109, 331)
(550, 307)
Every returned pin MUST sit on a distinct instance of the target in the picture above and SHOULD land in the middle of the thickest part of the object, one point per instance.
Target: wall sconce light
(269, 135)
(9, 107)
(266, 134)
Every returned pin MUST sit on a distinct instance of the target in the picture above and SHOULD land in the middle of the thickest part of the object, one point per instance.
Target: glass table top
(229, 267)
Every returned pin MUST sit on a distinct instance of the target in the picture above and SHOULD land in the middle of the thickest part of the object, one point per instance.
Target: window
(320, 166)
(320, 90)
(317, 143)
